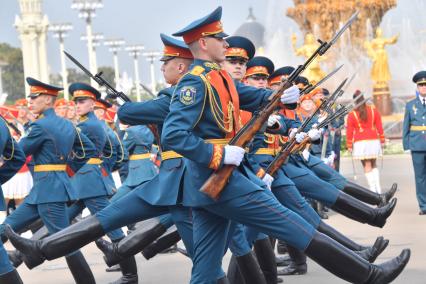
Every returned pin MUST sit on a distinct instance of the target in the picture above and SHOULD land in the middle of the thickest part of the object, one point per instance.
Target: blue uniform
(137, 141)
(414, 139)
(187, 130)
(13, 159)
(91, 180)
(50, 140)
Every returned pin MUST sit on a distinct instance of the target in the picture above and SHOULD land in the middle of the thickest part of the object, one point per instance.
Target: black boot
(298, 265)
(388, 195)
(15, 257)
(349, 266)
(266, 257)
(358, 211)
(11, 278)
(369, 253)
(233, 272)
(129, 271)
(373, 252)
(59, 244)
(368, 196)
(130, 245)
(247, 270)
(161, 244)
(223, 280)
(114, 268)
(79, 268)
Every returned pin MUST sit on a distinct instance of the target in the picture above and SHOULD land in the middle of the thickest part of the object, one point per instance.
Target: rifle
(112, 92)
(309, 88)
(282, 157)
(218, 180)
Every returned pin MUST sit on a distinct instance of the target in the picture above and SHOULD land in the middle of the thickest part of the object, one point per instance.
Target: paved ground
(405, 229)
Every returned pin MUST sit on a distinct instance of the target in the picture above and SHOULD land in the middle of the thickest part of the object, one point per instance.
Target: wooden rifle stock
(218, 179)
(281, 158)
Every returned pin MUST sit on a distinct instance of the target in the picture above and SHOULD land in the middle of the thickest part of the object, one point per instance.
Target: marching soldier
(12, 158)
(93, 182)
(50, 140)
(414, 137)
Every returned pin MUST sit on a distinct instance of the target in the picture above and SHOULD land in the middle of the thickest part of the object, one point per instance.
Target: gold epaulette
(197, 70)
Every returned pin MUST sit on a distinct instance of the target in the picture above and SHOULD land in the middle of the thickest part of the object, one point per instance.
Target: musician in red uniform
(365, 139)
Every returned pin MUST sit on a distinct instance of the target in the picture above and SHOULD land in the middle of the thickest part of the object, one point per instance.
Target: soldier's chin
(291, 106)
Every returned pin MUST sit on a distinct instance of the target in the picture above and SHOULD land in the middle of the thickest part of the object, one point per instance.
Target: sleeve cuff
(217, 157)
(260, 173)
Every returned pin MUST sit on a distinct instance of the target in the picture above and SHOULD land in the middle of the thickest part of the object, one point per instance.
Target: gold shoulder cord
(81, 143)
(110, 146)
(217, 112)
(121, 147)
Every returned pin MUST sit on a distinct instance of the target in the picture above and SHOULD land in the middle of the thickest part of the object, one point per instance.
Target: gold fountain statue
(380, 73)
(313, 72)
(326, 16)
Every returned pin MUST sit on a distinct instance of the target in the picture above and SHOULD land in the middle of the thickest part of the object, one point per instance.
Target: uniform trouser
(54, 216)
(290, 197)
(419, 164)
(122, 191)
(166, 220)
(238, 244)
(5, 265)
(136, 209)
(95, 204)
(259, 210)
(329, 175)
(313, 187)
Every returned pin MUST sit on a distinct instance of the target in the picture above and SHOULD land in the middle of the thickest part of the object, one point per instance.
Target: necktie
(424, 102)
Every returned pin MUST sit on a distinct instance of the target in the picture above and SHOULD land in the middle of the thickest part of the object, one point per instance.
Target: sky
(136, 21)
(141, 22)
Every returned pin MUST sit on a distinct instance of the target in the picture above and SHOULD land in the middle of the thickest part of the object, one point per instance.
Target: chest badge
(414, 109)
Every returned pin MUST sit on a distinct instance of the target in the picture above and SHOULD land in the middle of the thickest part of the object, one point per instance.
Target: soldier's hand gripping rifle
(218, 180)
(282, 157)
(111, 91)
(340, 111)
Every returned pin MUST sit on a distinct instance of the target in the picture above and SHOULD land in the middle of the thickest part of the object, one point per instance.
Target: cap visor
(34, 95)
(220, 35)
(166, 58)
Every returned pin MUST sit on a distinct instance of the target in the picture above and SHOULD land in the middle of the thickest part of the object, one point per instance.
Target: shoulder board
(197, 70)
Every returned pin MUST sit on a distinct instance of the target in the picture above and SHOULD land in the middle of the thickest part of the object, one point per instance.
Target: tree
(13, 72)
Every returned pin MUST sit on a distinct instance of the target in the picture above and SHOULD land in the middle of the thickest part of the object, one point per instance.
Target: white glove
(292, 133)
(306, 154)
(300, 136)
(322, 118)
(291, 95)
(233, 155)
(273, 119)
(267, 179)
(314, 134)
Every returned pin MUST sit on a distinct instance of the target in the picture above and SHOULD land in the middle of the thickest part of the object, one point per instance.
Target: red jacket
(358, 130)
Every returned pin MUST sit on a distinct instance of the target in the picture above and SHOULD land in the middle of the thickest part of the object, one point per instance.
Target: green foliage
(13, 72)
